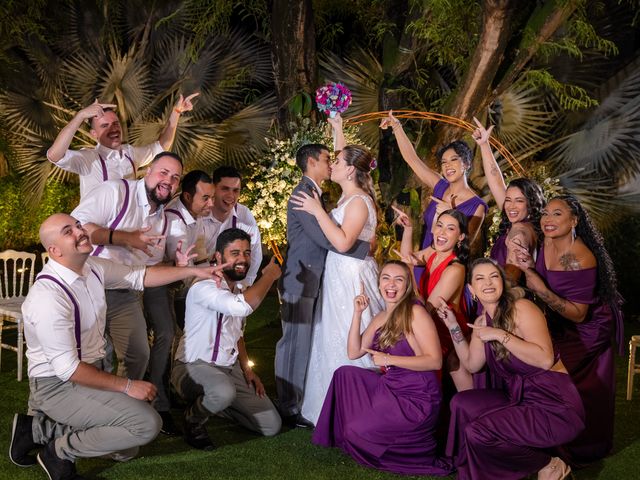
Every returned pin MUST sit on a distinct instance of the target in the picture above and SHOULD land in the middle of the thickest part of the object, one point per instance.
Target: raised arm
(65, 137)
(357, 344)
(424, 341)
(169, 133)
(426, 175)
(338, 133)
(344, 236)
(489, 164)
(471, 354)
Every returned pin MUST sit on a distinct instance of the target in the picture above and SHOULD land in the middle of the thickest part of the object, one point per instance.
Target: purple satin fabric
(586, 350)
(499, 250)
(507, 433)
(384, 421)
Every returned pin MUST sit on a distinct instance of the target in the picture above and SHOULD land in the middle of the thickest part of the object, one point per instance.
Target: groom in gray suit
(300, 285)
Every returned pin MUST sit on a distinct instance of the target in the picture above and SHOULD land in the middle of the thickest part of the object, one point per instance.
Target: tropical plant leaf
(364, 76)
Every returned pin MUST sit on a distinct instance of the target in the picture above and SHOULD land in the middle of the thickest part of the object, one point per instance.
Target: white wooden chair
(16, 276)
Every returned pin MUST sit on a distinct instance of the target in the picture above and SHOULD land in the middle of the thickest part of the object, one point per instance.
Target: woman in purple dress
(387, 421)
(520, 203)
(450, 189)
(574, 277)
(507, 434)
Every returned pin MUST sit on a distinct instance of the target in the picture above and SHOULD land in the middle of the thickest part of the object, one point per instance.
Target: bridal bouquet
(333, 98)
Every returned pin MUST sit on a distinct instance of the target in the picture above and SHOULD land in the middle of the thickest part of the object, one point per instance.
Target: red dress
(428, 282)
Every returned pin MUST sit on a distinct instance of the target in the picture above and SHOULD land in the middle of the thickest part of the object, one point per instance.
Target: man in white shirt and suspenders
(212, 371)
(110, 159)
(126, 222)
(228, 213)
(79, 410)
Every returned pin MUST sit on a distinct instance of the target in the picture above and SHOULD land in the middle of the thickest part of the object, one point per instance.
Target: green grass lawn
(289, 455)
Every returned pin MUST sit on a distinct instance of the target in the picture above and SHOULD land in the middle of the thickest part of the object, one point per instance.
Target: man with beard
(110, 159)
(126, 221)
(79, 410)
(212, 371)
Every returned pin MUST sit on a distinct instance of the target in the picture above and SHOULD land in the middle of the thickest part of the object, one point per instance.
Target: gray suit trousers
(212, 390)
(293, 350)
(128, 331)
(87, 422)
(159, 312)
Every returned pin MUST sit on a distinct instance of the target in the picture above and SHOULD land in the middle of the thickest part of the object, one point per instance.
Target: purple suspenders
(216, 343)
(76, 309)
(118, 218)
(103, 165)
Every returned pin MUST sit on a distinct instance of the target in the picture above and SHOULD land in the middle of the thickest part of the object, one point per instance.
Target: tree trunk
(499, 20)
(293, 52)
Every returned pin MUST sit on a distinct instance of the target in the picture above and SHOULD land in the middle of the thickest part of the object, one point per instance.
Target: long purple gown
(586, 350)
(506, 434)
(384, 421)
(468, 208)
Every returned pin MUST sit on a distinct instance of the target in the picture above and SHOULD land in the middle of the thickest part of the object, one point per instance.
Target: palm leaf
(364, 76)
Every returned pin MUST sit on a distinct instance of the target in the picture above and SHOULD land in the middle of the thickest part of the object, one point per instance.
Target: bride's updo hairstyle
(361, 158)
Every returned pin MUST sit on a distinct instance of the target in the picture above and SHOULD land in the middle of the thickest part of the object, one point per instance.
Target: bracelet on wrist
(178, 111)
(128, 387)
(506, 338)
(110, 237)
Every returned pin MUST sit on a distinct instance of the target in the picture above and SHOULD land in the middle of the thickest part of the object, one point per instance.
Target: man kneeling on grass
(212, 371)
(79, 410)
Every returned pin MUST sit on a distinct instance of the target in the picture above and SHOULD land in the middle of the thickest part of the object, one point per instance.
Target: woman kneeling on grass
(507, 434)
(387, 420)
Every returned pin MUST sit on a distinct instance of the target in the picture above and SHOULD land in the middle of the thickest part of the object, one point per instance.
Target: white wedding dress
(340, 284)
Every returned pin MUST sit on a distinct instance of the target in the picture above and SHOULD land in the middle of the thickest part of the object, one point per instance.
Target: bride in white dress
(355, 217)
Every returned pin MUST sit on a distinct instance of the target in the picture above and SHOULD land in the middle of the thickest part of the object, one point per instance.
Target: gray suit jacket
(307, 249)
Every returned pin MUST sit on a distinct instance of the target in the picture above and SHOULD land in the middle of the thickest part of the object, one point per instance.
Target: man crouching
(212, 371)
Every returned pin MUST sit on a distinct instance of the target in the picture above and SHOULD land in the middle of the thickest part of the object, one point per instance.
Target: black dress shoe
(22, 441)
(297, 421)
(55, 467)
(196, 435)
(168, 425)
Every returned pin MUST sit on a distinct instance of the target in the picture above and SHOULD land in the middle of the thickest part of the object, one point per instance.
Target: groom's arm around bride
(300, 283)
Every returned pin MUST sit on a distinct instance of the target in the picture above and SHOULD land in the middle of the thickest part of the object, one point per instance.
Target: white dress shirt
(99, 164)
(244, 220)
(105, 202)
(201, 232)
(49, 315)
(214, 322)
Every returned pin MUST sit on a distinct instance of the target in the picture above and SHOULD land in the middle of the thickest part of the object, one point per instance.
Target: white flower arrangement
(273, 177)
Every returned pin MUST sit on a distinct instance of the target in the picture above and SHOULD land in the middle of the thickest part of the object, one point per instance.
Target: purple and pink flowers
(333, 98)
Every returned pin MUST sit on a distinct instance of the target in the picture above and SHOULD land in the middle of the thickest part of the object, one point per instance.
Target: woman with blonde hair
(387, 420)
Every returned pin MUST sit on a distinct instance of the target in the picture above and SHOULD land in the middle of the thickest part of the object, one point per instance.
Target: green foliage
(570, 97)
(450, 29)
(19, 222)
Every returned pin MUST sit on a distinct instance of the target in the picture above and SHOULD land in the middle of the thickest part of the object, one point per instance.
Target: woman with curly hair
(450, 187)
(574, 276)
(508, 433)
(387, 420)
(520, 204)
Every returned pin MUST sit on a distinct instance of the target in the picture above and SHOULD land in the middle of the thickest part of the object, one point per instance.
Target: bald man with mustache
(79, 410)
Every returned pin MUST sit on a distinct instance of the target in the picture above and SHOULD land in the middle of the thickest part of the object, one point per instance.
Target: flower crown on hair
(373, 164)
